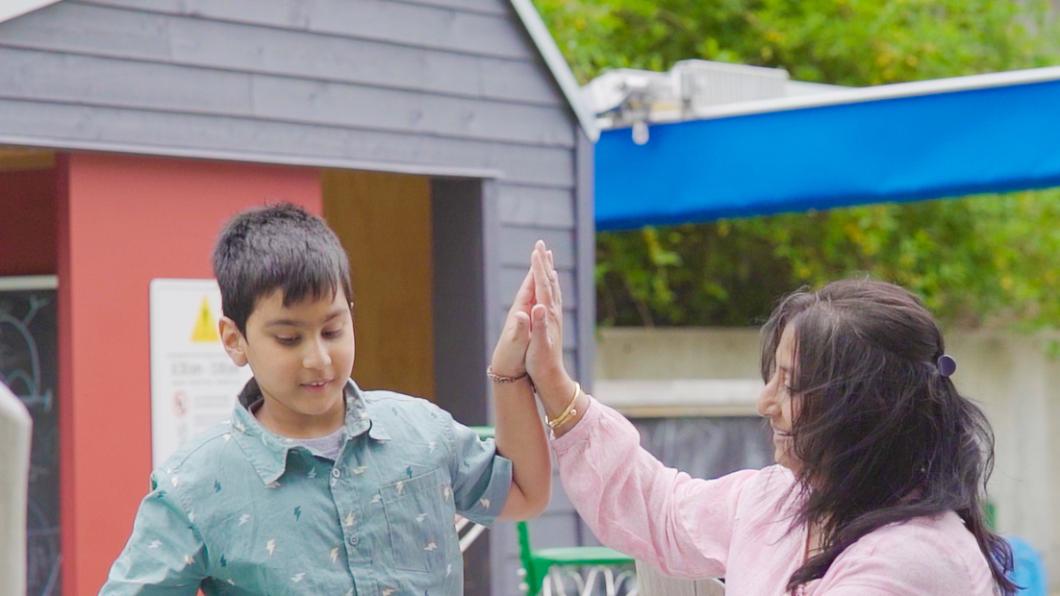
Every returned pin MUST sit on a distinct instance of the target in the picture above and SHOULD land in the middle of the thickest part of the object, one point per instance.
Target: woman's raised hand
(544, 357)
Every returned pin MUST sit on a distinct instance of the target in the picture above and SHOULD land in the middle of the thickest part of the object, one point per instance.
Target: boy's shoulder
(204, 456)
(381, 397)
(404, 416)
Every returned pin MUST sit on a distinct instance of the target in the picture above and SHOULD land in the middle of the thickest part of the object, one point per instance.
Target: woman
(881, 470)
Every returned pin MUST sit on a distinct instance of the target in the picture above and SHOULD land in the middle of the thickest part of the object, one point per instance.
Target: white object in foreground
(652, 582)
(15, 432)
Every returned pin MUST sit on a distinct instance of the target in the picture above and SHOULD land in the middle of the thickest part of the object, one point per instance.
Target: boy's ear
(233, 341)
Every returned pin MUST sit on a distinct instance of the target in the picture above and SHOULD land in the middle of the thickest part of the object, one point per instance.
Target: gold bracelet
(568, 412)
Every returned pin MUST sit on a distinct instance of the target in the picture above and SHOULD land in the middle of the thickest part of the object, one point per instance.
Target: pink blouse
(736, 526)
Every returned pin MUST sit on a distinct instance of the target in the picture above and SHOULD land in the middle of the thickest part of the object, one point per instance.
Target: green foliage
(989, 260)
(982, 260)
(846, 42)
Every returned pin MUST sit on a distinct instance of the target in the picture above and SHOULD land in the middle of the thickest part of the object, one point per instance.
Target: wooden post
(15, 432)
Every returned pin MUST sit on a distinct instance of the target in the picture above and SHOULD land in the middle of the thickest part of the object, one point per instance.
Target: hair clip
(946, 365)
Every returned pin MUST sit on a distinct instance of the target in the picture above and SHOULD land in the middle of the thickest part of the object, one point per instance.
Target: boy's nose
(317, 357)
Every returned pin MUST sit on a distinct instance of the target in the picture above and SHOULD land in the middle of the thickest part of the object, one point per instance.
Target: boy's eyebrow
(293, 323)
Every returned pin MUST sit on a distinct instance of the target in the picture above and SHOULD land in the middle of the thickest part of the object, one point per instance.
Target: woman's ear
(234, 342)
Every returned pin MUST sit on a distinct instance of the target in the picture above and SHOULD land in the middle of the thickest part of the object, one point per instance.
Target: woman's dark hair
(882, 436)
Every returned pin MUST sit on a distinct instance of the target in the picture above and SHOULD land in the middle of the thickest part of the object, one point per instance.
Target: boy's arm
(521, 438)
(164, 555)
(520, 434)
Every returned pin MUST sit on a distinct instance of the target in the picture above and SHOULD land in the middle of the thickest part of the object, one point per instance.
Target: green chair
(537, 564)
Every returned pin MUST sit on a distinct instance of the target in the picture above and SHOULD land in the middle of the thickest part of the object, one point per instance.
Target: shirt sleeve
(165, 554)
(634, 504)
(481, 476)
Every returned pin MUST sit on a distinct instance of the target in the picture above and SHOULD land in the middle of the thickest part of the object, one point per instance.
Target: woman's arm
(627, 497)
(635, 504)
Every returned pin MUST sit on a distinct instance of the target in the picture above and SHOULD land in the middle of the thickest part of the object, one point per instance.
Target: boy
(315, 486)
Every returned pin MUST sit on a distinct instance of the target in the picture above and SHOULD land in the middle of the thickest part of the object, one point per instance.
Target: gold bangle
(568, 412)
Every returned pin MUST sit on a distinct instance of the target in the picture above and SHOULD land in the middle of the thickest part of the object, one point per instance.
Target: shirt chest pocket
(419, 518)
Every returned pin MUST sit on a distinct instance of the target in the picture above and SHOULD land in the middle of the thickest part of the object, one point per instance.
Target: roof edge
(557, 64)
(15, 8)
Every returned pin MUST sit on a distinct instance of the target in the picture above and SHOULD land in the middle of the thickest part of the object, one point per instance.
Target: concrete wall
(1012, 376)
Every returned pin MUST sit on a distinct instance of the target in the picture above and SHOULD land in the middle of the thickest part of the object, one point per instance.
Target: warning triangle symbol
(205, 330)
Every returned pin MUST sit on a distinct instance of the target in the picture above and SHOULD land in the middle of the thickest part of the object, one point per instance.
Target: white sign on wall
(193, 383)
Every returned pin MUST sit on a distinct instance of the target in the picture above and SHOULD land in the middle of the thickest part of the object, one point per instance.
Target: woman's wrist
(556, 394)
(581, 404)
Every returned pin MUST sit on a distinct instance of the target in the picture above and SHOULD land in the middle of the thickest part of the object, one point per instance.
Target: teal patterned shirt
(240, 510)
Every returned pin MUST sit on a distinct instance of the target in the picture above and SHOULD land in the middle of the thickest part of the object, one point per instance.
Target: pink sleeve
(636, 505)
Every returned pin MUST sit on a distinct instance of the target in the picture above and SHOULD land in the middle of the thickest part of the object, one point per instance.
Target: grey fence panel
(549, 208)
(190, 41)
(89, 80)
(405, 111)
(519, 240)
(483, 6)
(410, 24)
(162, 133)
(512, 277)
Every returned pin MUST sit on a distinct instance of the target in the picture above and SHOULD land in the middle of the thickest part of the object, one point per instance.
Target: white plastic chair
(15, 433)
(468, 532)
(652, 582)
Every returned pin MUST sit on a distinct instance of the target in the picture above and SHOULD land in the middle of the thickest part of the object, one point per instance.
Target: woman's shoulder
(941, 533)
(933, 554)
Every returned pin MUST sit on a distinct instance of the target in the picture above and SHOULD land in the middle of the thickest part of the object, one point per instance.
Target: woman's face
(775, 402)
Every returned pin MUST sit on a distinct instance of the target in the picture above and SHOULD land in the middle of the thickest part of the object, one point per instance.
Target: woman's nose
(766, 405)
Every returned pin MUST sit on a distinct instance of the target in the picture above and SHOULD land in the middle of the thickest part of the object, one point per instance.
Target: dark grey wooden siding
(439, 87)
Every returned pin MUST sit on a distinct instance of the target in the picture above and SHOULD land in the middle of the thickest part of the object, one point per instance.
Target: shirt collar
(267, 451)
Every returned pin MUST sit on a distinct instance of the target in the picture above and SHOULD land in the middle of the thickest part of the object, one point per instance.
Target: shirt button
(335, 473)
(353, 540)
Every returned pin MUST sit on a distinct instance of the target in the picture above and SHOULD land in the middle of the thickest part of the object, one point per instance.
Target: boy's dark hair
(277, 247)
(881, 432)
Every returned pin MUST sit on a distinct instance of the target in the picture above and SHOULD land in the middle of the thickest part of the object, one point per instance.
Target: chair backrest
(526, 558)
(652, 582)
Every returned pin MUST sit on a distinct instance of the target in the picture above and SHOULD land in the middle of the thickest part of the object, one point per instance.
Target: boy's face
(301, 355)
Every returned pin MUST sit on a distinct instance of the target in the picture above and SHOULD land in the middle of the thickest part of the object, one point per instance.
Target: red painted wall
(28, 222)
(124, 220)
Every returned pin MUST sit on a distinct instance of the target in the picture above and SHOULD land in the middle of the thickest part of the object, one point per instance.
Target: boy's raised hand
(520, 435)
(509, 355)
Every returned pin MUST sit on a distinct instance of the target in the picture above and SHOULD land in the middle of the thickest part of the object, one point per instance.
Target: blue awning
(931, 139)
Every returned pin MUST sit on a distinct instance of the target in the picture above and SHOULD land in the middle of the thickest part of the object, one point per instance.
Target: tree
(987, 260)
